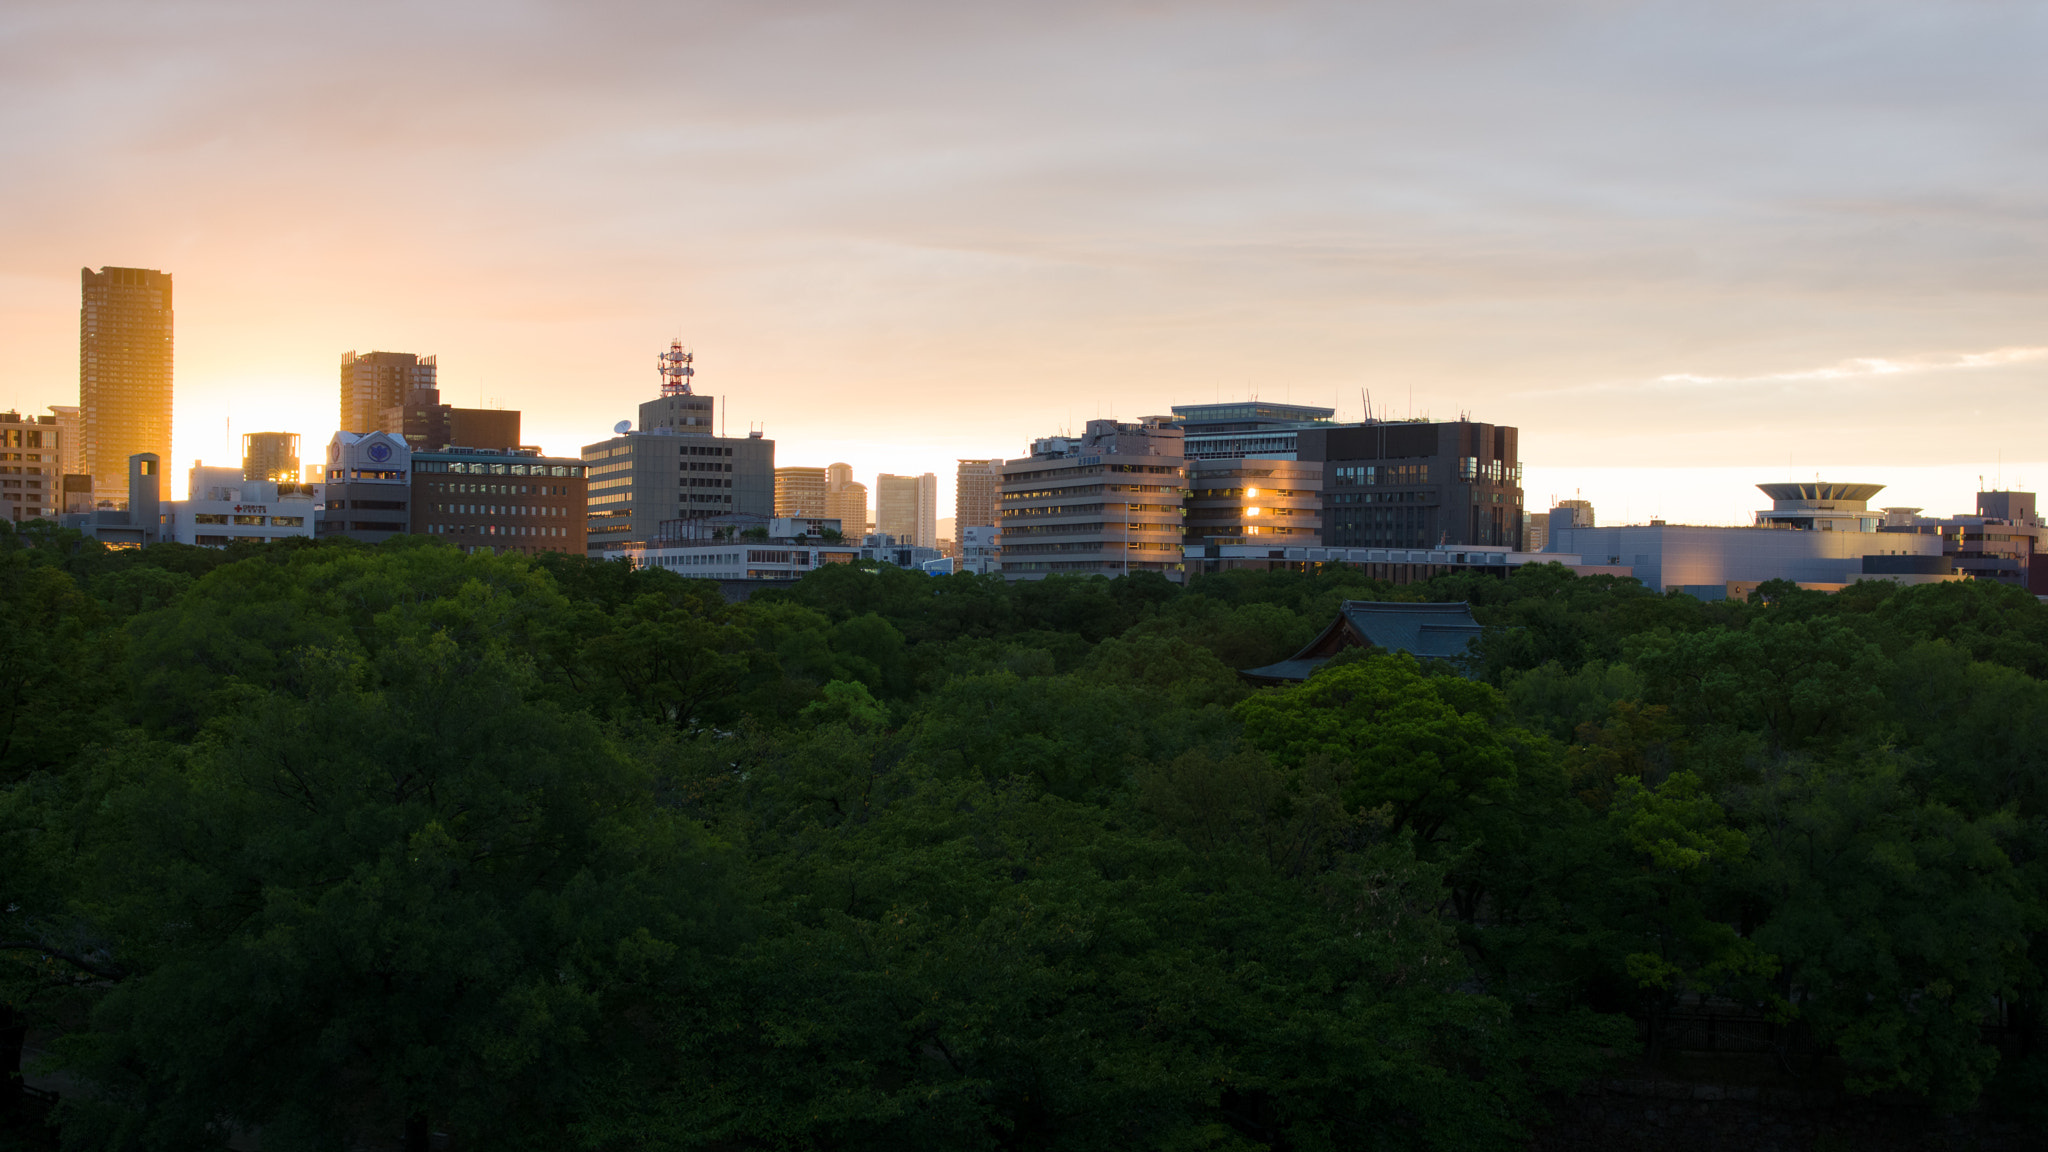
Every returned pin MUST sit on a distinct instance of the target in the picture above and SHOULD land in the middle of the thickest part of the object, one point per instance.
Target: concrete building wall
(640, 479)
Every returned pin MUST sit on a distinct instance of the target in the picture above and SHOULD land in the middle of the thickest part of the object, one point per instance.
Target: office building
(1234, 429)
(1535, 531)
(500, 500)
(367, 494)
(800, 492)
(977, 495)
(2000, 542)
(226, 506)
(846, 500)
(1417, 484)
(907, 507)
(1253, 500)
(1819, 535)
(31, 467)
(1106, 502)
(376, 382)
(125, 346)
(70, 460)
(271, 456)
(137, 522)
(673, 466)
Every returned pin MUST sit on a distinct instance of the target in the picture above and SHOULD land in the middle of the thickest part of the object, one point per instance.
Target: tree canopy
(352, 845)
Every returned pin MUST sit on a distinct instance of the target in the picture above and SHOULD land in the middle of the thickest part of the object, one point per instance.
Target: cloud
(1872, 366)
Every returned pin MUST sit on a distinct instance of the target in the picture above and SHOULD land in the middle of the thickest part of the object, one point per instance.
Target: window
(209, 518)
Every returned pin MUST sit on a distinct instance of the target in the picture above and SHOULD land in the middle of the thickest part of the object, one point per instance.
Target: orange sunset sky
(1683, 247)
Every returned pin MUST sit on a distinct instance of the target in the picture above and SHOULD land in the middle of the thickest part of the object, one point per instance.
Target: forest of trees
(350, 845)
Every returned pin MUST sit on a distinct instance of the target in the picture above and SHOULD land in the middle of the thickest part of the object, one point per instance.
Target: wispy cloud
(1863, 366)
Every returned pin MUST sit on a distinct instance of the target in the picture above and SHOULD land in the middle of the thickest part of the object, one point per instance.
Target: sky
(1682, 247)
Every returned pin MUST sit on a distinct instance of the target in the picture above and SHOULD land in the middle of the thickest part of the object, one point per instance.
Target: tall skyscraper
(846, 500)
(907, 507)
(800, 492)
(272, 456)
(124, 373)
(978, 494)
(376, 381)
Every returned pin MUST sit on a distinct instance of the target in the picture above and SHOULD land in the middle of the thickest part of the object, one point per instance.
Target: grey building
(673, 467)
(367, 491)
(138, 523)
(1417, 484)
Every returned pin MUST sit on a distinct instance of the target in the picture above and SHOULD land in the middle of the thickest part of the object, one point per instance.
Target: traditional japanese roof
(1426, 631)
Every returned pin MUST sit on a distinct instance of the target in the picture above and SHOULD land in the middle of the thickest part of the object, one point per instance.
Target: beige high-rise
(846, 500)
(373, 382)
(978, 494)
(907, 507)
(125, 350)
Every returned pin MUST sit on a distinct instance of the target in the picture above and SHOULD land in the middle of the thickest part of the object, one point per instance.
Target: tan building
(375, 382)
(1252, 501)
(846, 500)
(1106, 502)
(69, 462)
(125, 352)
(907, 507)
(800, 493)
(977, 494)
(31, 469)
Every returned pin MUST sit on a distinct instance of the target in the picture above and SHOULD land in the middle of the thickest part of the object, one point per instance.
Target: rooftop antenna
(676, 370)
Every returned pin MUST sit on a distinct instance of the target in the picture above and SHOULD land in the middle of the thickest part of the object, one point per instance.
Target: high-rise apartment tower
(977, 494)
(125, 344)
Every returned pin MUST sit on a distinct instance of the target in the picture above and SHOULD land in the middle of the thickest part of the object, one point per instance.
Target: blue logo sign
(380, 452)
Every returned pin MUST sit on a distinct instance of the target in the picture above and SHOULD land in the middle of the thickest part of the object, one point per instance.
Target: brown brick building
(504, 500)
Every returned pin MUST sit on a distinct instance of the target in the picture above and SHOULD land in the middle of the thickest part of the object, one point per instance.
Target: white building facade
(221, 508)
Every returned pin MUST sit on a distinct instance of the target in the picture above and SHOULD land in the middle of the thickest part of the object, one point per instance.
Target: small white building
(221, 508)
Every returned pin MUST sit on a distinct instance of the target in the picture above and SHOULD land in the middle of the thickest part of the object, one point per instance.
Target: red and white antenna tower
(674, 366)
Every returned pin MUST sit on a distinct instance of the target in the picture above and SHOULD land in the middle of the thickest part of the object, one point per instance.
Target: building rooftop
(1426, 631)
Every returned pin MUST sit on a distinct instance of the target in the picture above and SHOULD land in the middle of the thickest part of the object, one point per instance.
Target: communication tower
(674, 366)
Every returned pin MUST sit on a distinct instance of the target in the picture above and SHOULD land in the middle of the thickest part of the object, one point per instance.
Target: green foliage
(328, 840)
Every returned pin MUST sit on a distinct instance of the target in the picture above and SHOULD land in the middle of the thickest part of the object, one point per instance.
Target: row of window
(495, 530)
(1373, 474)
(249, 521)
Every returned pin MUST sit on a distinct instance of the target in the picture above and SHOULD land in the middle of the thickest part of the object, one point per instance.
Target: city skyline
(1669, 245)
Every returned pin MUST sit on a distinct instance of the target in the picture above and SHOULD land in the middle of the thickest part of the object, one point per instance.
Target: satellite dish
(622, 427)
